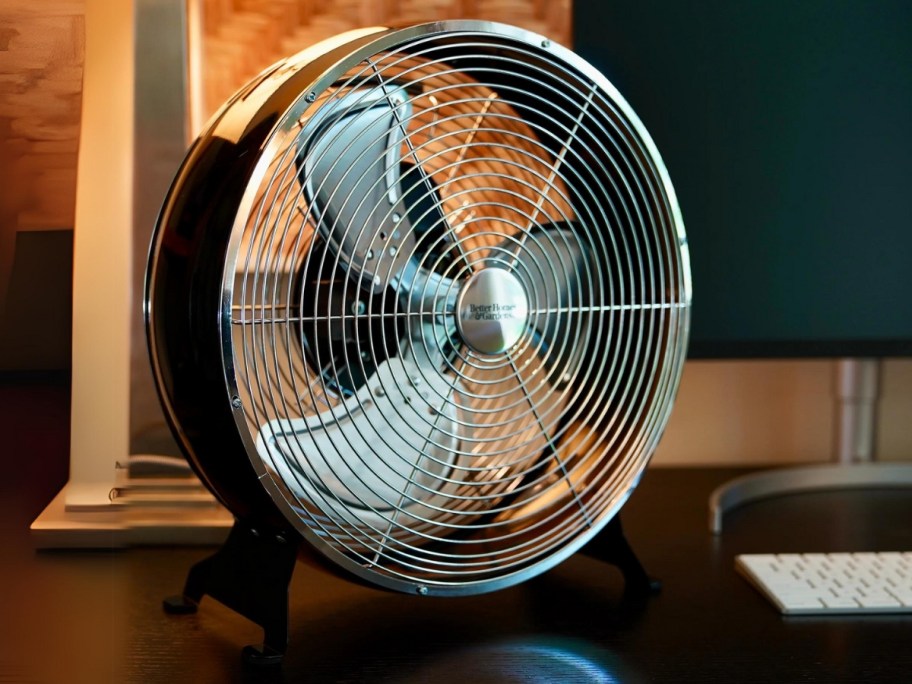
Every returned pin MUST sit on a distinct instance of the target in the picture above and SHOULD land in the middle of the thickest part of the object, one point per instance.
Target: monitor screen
(786, 128)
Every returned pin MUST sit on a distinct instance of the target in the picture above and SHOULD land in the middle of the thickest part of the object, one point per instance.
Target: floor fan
(418, 303)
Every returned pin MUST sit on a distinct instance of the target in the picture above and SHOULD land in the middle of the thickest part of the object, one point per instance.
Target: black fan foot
(611, 546)
(261, 657)
(179, 605)
(250, 574)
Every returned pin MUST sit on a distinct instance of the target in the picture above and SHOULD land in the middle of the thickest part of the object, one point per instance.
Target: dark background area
(36, 318)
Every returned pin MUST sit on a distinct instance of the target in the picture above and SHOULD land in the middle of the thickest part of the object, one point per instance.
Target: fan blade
(553, 257)
(350, 170)
(401, 438)
(380, 213)
(424, 209)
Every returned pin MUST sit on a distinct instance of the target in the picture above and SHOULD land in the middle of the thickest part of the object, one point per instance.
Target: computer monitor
(786, 128)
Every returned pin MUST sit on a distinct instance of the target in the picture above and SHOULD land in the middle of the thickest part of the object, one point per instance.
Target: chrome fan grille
(455, 307)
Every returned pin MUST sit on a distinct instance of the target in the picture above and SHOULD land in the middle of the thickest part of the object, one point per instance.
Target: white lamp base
(140, 513)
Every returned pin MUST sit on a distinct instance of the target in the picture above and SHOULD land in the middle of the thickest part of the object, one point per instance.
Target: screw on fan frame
(422, 297)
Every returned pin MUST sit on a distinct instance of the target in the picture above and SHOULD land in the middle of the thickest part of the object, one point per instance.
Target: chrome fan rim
(429, 458)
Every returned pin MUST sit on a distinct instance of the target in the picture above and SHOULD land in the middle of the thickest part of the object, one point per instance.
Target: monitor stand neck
(856, 393)
(857, 389)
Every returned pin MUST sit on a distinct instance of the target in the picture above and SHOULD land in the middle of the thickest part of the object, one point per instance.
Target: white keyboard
(832, 583)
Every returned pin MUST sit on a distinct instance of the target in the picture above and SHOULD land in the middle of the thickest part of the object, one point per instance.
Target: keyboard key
(800, 603)
(840, 602)
(879, 602)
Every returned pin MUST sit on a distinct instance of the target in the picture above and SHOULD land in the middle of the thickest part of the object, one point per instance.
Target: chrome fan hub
(492, 311)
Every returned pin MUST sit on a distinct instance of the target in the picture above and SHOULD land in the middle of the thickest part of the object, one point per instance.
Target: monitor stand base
(782, 481)
(857, 389)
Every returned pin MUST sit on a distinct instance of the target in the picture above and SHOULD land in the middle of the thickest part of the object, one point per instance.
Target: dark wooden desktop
(78, 616)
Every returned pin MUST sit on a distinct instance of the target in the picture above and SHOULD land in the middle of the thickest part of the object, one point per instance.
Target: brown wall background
(242, 37)
(42, 52)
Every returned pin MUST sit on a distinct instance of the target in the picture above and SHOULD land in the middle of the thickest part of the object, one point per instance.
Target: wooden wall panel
(42, 53)
(242, 37)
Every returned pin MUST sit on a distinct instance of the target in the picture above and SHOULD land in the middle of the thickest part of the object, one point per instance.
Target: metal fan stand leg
(611, 546)
(250, 574)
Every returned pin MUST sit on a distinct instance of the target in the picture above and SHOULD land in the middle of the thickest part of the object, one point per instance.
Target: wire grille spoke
(342, 317)
(552, 448)
(411, 148)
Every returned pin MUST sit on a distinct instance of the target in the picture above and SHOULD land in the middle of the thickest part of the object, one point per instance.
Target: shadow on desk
(558, 628)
